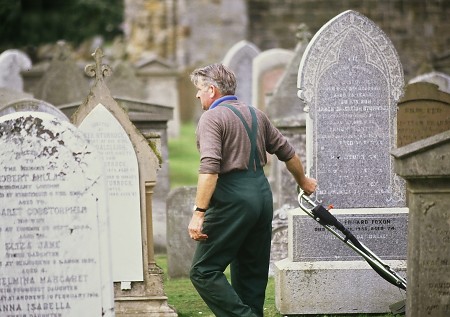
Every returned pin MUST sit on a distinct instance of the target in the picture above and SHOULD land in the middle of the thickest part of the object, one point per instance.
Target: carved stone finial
(98, 69)
(62, 51)
(303, 34)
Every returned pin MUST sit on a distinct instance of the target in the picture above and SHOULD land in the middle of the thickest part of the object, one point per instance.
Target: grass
(184, 160)
(183, 157)
(185, 299)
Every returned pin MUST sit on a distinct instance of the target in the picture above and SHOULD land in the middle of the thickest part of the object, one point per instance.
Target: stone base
(334, 287)
(152, 306)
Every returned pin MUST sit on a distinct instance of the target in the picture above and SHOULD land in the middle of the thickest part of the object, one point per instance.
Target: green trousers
(239, 228)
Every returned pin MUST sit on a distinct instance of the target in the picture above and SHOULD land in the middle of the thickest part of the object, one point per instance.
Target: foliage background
(31, 22)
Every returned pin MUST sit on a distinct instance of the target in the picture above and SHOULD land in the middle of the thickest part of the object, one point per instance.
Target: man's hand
(196, 225)
(308, 185)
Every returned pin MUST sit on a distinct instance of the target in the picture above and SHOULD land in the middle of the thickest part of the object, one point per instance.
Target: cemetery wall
(417, 28)
(176, 30)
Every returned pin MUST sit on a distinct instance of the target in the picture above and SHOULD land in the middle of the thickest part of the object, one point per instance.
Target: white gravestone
(12, 62)
(54, 235)
(106, 134)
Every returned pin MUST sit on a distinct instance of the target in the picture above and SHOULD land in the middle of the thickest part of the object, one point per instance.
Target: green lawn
(183, 157)
(184, 298)
(184, 160)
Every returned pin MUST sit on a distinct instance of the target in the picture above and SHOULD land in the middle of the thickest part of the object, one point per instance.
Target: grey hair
(217, 75)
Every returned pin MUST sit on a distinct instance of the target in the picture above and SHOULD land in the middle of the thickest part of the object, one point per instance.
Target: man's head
(212, 82)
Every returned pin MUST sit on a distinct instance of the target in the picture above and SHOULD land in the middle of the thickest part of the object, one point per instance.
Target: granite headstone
(351, 85)
(54, 232)
(350, 79)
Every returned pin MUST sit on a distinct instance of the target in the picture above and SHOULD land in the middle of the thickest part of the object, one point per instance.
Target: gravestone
(12, 63)
(285, 110)
(152, 121)
(54, 230)
(63, 82)
(161, 83)
(442, 80)
(131, 162)
(268, 67)
(13, 101)
(180, 247)
(239, 59)
(350, 79)
(423, 111)
(425, 165)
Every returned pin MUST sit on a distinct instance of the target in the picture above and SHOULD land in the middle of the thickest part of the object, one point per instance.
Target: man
(232, 217)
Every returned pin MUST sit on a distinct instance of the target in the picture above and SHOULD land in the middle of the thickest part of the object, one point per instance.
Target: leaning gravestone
(54, 233)
(351, 79)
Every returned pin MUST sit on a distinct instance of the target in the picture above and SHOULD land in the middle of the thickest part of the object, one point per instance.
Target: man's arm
(295, 167)
(205, 188)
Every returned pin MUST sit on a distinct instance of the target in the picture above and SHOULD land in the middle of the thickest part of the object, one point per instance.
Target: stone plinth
(425, 165)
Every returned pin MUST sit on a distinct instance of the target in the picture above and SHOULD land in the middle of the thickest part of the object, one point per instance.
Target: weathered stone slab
(54, 233)
(383, 231)
(440, 79)
(31, 104)
(351, 79)
(425, 165)
(424, 111)
(337, 287)
(180, 247)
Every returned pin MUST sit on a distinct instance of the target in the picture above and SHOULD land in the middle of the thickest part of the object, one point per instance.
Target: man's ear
(213, 91)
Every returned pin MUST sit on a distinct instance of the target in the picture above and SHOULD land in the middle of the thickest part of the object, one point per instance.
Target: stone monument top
(351, 79)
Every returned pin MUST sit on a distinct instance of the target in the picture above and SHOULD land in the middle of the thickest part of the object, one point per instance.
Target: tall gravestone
(350, 79)
(54, 232)
(239, 59)
(131, 163)
(425, 165)
(285, 110)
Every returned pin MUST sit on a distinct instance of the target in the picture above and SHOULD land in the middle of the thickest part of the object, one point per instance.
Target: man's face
(205, 93)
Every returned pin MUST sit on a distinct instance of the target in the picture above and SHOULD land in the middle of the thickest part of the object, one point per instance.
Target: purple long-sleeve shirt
(224, 145)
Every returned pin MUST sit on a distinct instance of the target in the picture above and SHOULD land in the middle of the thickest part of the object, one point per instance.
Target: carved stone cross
(98, 69)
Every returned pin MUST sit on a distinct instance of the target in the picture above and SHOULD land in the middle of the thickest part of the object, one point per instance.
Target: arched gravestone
(54, 234)
(239, 59)
(351, 79)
